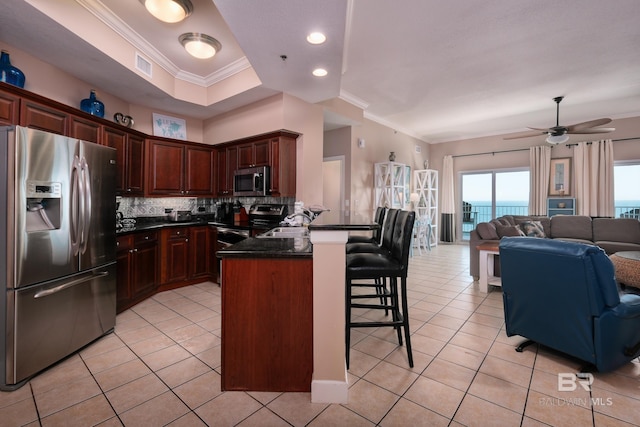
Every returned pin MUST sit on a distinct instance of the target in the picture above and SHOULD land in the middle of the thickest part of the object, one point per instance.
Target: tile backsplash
(134, 207)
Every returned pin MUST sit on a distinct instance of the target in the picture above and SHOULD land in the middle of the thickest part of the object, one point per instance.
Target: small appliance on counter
(179, 216)
(264, 214)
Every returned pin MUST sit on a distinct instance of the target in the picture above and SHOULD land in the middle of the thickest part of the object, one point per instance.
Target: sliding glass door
(488, 195)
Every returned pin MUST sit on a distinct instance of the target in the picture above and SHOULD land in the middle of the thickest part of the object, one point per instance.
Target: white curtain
(594, 178)
(448, 224)
(539, 163)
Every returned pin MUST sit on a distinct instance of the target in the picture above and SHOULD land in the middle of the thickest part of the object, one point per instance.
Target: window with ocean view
(488, 195)
(626, 191)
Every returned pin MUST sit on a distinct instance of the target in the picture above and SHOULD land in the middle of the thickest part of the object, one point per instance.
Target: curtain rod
(526, 149)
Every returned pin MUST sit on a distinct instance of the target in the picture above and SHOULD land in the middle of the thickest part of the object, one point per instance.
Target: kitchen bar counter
(256, 247)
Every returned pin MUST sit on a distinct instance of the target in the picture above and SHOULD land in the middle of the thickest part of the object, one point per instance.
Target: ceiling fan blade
(589, 124)
(592, 130)
(528, 134)
(545, 130)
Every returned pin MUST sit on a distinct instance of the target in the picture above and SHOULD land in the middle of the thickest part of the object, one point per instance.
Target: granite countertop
(257, 247)
(340, 220)
(151, 223)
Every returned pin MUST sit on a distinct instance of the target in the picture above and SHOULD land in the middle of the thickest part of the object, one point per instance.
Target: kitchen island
(282, 263)
(267, 323)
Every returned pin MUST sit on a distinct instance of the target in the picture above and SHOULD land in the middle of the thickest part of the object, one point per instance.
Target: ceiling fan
(560, 134)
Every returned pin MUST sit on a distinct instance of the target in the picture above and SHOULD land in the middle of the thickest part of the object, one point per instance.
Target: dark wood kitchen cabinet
(84, 129)
(44, 117)
(9, 108)
(198, 170)
(137, 261)
(178, 169)
(185, 256)
(199, 252)
(174, 248)
(276, 150)
(267, 324)
(282, 151)
(226, 165)
(129, 158)
(253, 154)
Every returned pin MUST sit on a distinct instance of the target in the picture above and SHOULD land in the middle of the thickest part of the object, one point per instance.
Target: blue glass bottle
(92, 105)
(9, 73)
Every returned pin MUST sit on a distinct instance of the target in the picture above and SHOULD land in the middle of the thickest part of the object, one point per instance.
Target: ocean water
(482, 208)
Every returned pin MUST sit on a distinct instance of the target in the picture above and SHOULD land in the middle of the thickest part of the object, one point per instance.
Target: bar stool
(374, 246)
(374, 266)
(378, 218)
(383, 248)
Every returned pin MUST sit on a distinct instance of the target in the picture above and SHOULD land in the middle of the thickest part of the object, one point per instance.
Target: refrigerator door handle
(76, 206)
(64, 286)
(86, 206)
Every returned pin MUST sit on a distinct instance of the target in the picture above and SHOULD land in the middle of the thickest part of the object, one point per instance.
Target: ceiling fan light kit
(560, 134)
(557, 139)
(170, 11)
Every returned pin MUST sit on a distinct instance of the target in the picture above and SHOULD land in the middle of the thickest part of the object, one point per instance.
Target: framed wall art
(560, 179)
(169, 127)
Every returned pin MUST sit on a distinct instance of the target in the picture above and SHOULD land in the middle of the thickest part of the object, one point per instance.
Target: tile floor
(162, 367)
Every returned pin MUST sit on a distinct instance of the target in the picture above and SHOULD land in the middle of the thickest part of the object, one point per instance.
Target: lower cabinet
(267, 324)
(137, 257)
(185, 254)
(159, 260)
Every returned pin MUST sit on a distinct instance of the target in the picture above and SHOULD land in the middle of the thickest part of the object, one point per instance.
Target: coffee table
(487, 251)
(627, 267)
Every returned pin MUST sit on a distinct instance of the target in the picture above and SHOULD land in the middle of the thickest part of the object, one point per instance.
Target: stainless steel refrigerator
(57, 249)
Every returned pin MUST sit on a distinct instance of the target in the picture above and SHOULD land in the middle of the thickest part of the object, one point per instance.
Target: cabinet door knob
(130, 251)
(186, 240)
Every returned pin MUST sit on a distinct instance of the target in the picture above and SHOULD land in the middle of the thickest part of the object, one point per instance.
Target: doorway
(333, 183)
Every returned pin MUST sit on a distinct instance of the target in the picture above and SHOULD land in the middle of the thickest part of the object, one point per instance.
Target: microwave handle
(256, 181)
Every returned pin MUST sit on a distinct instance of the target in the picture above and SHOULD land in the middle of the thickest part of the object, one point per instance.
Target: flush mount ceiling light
(320, 72)
(316, 38)
(557, 139)
(170, 11)
(200, 45)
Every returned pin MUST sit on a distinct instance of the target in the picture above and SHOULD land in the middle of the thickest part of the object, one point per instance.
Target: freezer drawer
(53, 320)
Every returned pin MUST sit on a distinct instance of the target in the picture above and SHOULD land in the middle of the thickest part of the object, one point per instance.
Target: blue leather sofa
(564, 295)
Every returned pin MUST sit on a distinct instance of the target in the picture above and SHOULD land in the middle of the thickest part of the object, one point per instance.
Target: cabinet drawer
(149, 236)
(124, 243)
(178, 233)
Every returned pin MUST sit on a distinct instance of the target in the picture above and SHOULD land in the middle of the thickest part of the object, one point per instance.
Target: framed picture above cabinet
(560, 179)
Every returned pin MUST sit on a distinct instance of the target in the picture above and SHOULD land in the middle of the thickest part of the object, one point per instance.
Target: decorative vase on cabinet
(92, 105)
(9, 73)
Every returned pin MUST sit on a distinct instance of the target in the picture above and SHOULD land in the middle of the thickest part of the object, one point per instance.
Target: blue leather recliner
(564, 295)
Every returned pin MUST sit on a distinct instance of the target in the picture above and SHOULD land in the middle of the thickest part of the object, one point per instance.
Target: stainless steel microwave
(252, 181)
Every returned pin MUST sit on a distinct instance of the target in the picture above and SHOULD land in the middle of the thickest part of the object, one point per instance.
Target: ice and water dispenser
(43, 205)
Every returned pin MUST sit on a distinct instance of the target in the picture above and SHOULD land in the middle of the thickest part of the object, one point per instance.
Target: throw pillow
(487, 231)
(509, 231)
(532, 228)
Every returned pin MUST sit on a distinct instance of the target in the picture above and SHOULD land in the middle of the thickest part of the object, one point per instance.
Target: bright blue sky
(515, 185)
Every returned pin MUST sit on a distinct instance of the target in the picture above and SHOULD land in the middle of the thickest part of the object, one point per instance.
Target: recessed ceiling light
(200, 45)
(316, 38)
(320, 72)
(170, 11)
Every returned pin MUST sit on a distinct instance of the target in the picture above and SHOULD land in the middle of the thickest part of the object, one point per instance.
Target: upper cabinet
(276, 150)
(178, 169)
(129, 158)
(282, 154)
(253, 154)
(9, 108)
(39, 116)
(226, 165)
